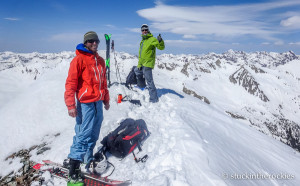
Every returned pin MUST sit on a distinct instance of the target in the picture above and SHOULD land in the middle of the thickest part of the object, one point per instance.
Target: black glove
(159, 38)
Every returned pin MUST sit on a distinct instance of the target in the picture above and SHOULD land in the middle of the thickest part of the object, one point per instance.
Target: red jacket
(86, 78)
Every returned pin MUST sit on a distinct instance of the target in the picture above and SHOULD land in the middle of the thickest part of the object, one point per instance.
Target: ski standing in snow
(128, 81)
(87, 82)
(147, 54)
(107, 61)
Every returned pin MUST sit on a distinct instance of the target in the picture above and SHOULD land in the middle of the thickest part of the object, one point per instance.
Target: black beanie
(90, 35)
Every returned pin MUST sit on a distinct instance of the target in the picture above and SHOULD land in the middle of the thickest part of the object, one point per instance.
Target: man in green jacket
(146, 63)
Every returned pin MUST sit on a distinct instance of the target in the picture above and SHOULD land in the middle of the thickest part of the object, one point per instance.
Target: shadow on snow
(163, 91)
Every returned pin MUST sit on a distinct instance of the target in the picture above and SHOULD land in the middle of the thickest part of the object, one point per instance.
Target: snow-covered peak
(210, 126)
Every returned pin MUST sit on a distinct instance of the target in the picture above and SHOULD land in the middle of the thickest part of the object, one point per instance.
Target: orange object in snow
(119, 98)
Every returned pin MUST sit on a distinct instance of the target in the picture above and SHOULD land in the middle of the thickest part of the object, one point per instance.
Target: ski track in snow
(191, 142)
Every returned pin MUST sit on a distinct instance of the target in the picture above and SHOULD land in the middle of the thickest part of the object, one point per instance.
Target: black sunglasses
(144, 30)
(92, 41)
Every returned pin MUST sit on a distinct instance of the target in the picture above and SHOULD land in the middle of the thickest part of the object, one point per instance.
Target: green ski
(107, 61)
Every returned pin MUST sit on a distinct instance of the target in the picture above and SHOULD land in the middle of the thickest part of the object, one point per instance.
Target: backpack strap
(139, 146)
(102, 151)
(142, 159)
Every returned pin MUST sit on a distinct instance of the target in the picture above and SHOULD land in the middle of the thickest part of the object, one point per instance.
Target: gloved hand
(73, 112)
(159, 38)
(107, 106)
(140, 68)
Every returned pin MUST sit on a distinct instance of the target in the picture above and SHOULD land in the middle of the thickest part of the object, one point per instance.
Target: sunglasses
(145, 30)
(92, 41)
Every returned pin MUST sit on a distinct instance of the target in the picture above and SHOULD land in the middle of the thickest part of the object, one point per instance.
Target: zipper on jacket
(97, 69)
(83, 94)
(95, 73)
(99, 77)
(141, 49)
(101, 83)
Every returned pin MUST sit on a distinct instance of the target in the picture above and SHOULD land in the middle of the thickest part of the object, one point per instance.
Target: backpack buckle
(142, 159)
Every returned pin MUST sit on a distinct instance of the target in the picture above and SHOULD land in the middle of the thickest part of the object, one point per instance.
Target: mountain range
(202, 98)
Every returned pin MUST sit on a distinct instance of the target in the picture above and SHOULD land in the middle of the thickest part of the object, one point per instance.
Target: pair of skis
(90, 179)
(107, 63)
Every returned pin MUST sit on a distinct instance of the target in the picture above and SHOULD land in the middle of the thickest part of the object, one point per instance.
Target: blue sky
(187, 26)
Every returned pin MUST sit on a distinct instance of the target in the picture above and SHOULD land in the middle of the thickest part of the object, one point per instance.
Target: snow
(191, 142)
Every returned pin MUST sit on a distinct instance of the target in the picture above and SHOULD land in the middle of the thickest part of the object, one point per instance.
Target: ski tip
(37, 166)
(46, 161)
(122, 183)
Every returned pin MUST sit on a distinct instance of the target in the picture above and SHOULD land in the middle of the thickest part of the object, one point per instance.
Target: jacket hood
(82, 48)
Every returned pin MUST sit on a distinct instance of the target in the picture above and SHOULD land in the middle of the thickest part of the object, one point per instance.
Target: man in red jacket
(87, 82)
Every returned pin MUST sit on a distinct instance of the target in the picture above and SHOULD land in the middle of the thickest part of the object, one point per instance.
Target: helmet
(100, 165)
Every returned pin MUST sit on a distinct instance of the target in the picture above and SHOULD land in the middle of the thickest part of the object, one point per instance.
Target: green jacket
(147, 50)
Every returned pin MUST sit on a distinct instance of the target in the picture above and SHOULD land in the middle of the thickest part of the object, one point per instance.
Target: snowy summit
(221, 119)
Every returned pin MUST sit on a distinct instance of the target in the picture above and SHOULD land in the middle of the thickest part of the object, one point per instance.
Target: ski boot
(100, 164)
(75, 174)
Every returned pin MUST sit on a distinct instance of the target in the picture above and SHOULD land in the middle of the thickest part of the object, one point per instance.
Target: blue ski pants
(147, 72)
(87, 129)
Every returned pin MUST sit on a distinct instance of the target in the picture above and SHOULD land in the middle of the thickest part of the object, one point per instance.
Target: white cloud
(135, 30)
(111, 26)
(224, 21)
(183, 43)
(297, 43)
(129, 45)
(189, 36)
(179, 41)
(293, 21)
(11, 19)
(279, 43)
(67, 37)
(193, 44)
